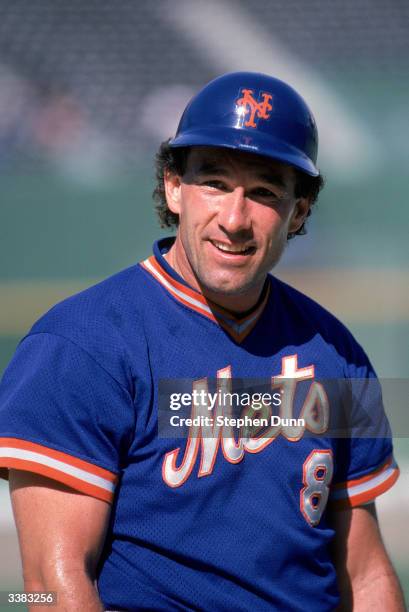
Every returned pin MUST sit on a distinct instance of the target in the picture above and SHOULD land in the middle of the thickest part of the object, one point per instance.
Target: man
(112, 512)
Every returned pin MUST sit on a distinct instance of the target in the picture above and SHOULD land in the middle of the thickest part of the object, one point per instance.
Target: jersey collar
(237, 327)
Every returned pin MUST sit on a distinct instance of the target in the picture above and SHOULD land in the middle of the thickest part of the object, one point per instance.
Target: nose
(234, 213)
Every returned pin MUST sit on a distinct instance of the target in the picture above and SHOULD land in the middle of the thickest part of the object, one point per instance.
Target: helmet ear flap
(252, 112)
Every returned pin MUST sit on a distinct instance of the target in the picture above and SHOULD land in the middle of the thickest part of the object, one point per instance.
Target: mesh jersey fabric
(79, 403)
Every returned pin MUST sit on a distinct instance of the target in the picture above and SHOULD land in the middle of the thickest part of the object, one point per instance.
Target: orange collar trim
(237, 328)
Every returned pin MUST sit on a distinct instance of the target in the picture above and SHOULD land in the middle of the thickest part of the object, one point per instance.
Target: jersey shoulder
(103, 320)
(69, 391)
(312, 319)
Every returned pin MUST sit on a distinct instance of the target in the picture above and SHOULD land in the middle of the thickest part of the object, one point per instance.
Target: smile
(233, 249)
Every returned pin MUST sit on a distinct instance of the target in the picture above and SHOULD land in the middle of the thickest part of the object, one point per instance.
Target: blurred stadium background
(89, 89)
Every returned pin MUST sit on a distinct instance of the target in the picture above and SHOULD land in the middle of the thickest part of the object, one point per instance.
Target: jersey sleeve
(64, 416)
(365, 465)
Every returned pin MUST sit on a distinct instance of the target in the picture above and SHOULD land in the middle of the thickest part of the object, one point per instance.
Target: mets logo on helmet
(256, 108)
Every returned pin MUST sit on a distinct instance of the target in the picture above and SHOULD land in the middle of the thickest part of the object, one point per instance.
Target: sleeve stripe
(44, 470)
(13, 444)
(364, 487)
(365, 497)
(59, 466)
(357, 481)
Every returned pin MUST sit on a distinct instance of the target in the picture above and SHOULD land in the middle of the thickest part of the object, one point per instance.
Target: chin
(225, 286)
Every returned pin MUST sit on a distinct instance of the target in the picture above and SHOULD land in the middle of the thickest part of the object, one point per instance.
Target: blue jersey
(203, 522)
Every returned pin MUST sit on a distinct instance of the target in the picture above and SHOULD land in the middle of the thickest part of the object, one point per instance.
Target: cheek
(196, 210)
(189, 219)
(272, 223)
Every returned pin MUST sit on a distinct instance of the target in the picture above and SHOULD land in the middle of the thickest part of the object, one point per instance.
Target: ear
(300, 213)
(173, 185)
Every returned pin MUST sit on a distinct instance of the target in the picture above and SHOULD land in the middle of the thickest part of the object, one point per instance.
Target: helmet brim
(248, 141)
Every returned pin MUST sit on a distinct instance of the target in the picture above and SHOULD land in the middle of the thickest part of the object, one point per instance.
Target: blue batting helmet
(252, 112)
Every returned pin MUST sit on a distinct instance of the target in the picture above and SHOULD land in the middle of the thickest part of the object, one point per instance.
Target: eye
(262, 192)
(265, 194)
(214, 184)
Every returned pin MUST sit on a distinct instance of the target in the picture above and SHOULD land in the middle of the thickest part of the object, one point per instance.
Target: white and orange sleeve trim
(76, 473)
(365, 489)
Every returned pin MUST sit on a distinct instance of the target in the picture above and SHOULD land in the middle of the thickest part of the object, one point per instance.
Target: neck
(238, 304)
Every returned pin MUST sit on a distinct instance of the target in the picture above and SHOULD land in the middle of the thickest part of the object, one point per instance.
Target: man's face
(235, 212)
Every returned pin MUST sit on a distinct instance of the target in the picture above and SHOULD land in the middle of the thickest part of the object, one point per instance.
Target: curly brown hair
(174, 160)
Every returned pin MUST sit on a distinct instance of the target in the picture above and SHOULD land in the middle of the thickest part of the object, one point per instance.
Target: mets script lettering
(208, 438)
(256, 108)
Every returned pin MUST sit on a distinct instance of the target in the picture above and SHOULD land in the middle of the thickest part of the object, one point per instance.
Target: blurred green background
(87, 92)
